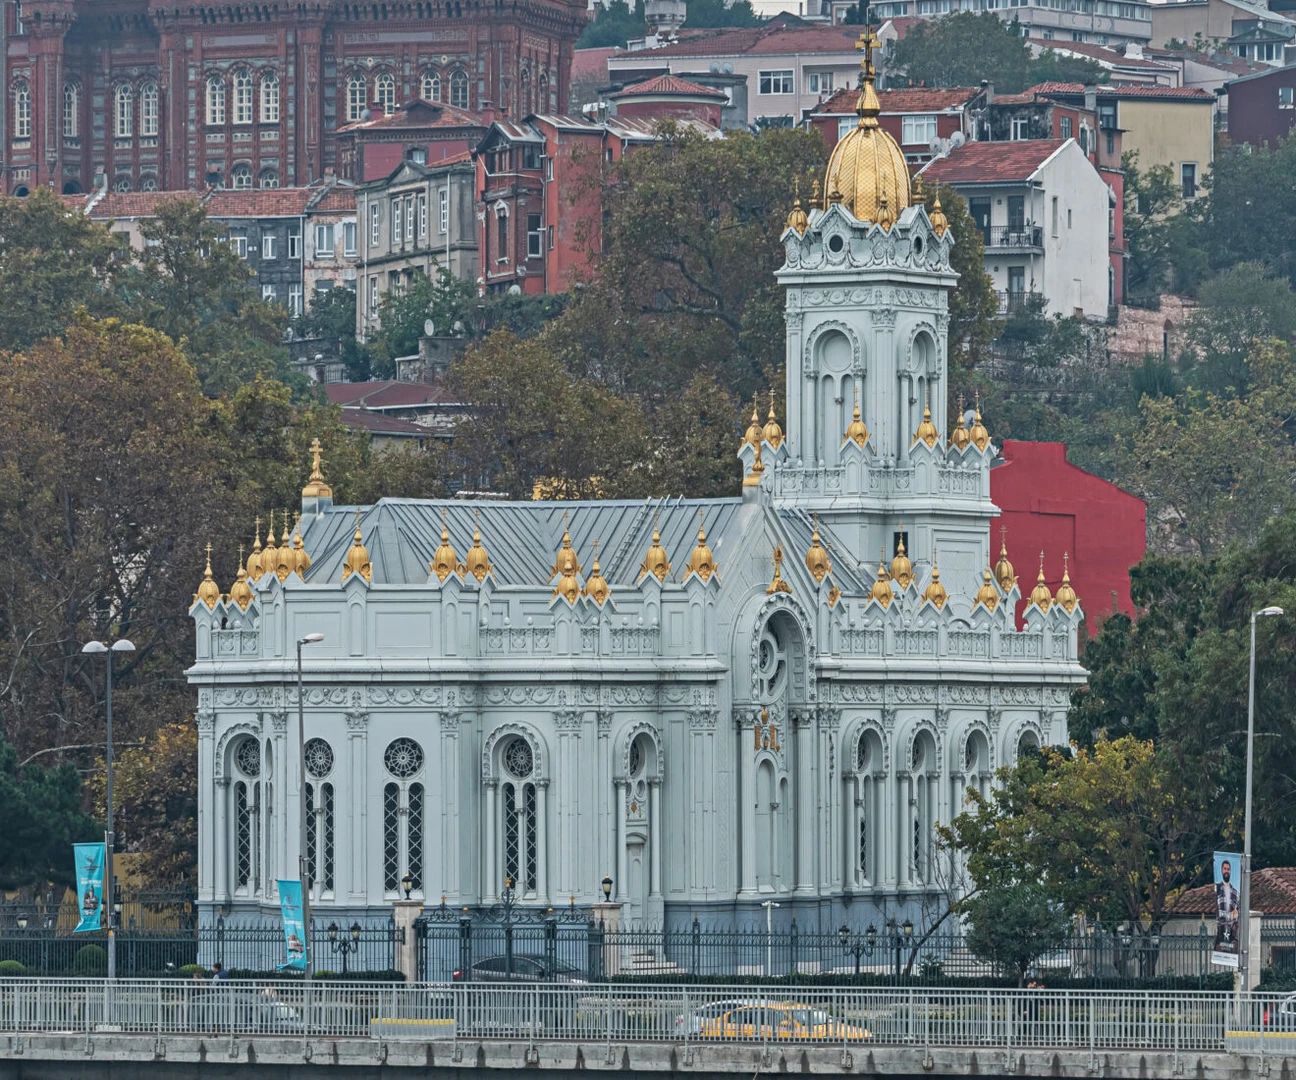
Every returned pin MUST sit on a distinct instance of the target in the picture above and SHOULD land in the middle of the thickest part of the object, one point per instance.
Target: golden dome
(446, 560)
(858, 430)
(285, 561)
(926, 432)
(881, 591)
(208, 591)
(797, 219)
(597, 588)
(901, 567)
(301, 560)
(959, 437)
(754, 432)
(987, 595)
(655, 562)
(935, 591)
(1040, 595)
(701, 561)
(315, 486)
(979, 435)
(1003, 569)
(1066, 596)
(816, 558)
(773, 434)
(241, 592)
(867, 168)
(753, 478)
(254, 570)
(270, 553)
(477, 562)
(357, 556)
(566, 567)
(940, 223)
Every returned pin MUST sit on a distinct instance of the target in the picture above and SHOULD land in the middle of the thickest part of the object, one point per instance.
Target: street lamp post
(98, 648)
(302, 870)
(859, 947)
(341, 945)
(1244, 946)
(769, 906)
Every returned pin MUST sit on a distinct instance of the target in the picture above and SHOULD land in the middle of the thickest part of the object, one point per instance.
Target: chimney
(1091, 98)
(1133, 50)
(488, 113)
(377, 109)
(987, 88)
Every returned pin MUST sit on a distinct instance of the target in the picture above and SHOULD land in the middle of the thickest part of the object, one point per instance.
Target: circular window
(518, 758)
(247, 756)
(403, 758)
(771, 673)
(972, 754)
(835, 244)
(319, 758)
(918, 245)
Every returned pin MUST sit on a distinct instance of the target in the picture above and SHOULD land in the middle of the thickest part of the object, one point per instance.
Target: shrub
(188, 971)
(11, 968)
(90, 960)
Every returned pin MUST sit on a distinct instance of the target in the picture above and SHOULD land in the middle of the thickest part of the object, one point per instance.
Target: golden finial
(858, 430)
(566, 567)
(987, 596)
(797, 218)
(477, 562)
(959, 437)
(754, 432)
(881, 591)
(241, 592)
(753, 478)
(935, 591)
(270, 553)
(1040, 595)
(868, 107)
(979, 435)
(816, 199)
(773, 434)
(655, 562)
(917, 188)
(1066, 596)
(701, 561)
(777, 584)
(884, 216)
(901, 567)
(446, 560)
(254, 569)
(208, 591)
(1003, 570)
(816, 558)
(597, 588)
(759, 728)
(284, 559)
(940, 223)
(301, 560)
(316, 487)
(357, 556)
(834, 594)
(926, 432)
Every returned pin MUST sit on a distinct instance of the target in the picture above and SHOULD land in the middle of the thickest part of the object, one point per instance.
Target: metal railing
(1014, 236)
(622, 1012)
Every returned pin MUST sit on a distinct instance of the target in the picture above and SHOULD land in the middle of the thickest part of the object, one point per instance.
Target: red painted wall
(1051, 505)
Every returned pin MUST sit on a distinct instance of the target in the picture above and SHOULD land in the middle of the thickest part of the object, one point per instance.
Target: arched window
(122, 183)
(242, 97)
(242, 175)
(869, 784)
(71, 111)
(356, 94)
(22, 110)
(123, 112)
(247, 805)
(459, 90)
(403, 812)
(215, 101)
(269, 178)
(269, 98)
(149, 110)
(920, 807)
(542, 95)
(430, 86)
(524, 94)
(319, 815)
(385, 92)
(148, 183)
(976, 763)
(519, 827)
(1027, 742)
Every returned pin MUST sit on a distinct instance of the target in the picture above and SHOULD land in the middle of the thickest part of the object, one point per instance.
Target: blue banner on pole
(90, 885)
(290, 904)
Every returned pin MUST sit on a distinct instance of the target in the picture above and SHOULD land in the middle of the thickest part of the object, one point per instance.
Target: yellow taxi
(782, 1021)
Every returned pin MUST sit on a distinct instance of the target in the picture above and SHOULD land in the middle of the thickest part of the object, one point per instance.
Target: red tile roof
(591, 63)
(1191, 93)
(380, 424)
(274, 202)
(386, 394)
(670, 84)
(342, 197)
(134, 204)
(911, 100)
(992, 162)
(1102, 53)
(1219, 60)
(1273, 892)
(418, 115)
(761, 41)
(902, 24)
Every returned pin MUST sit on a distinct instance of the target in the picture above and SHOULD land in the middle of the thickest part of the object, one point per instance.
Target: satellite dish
(934, 146)
(515, 290)
(428, 328)
(715, 68)
(957, 139)
(365, 114)
(727, 69)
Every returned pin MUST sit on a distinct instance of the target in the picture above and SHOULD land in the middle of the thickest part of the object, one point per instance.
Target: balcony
(1013, 302)
(1017, 237)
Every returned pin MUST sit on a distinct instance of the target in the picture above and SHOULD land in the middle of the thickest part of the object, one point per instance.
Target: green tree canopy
(961, 50)
(614, 24)
(1237, 310)
(443, 298)
(1013, 924)
(709, 13)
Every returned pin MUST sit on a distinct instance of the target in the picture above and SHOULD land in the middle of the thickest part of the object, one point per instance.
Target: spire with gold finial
(754, 430)
(446, 560)
(1003, 569)
(477, 562)
(753, 478)
(285, 560)
(241, 592)
(858, 431)
(773, 434)
(701, 561)
(777, 584)
(1066, 596)
(940, 223)
(816, 557)
(357, 556)
(926, 432)
(901, 567)
(315, 487)
(270, 553)
(959, 437)
(884, 216)
(881, 591)
(566, 567)
(208, 591)
(1040, 595)
(254, 568)
(797, 219)
(935, 591)
(979, 435)
(597, 588)
(987, 596)
(655, 561)
(301, 559)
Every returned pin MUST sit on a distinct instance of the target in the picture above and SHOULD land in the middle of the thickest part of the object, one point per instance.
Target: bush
(11, 968)
(90, 960)
(188, 971)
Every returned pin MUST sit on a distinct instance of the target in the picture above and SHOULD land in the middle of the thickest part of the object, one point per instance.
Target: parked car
(521, 967)
(788, 1021)
(222, 1008)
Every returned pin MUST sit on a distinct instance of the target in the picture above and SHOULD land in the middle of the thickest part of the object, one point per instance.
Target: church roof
(671, 85)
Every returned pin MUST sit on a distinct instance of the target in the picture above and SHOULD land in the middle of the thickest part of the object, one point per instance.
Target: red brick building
(913, 117)
(372, 148)
(1050, 505)
(252, 95)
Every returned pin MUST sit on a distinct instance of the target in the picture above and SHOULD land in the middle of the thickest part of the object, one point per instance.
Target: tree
(1050, 66)
(443, 298)
(1013, 925)
(331, 318)
(614, 24)
(712, 13)
(1247, 194)
(1152, 199)
(961, 50)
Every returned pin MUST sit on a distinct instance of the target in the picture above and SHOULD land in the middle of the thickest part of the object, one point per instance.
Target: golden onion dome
(1040, 595)
(701, 561)
(754, 430)
(881, 591)
(901, 567)
(597, 588)
(797, 219)
(208, 591)
(241, 592)
(285, 560)
(979, 435)
(858, 431)
(1003, 569)
(816, 557)
(935, 591)
(773, 434)
(254, 570)
(1066, 596)
(445, 561)
(477, 562)
(315, 486)
(867, 170)
(987, 595)
(655, 562)
(565, 564)
(301, 560)
(357, 556)
(270, 553)
(926, 432)
(940, 223)
(959, 437)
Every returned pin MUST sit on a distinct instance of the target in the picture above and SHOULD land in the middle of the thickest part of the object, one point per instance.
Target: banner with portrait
(290, 906)
(1228, 907)
(89, 860)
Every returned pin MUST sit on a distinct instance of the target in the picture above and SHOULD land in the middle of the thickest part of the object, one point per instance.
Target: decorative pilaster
(363, 868)
(743, 719)
(452, 819)
(807, 824)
